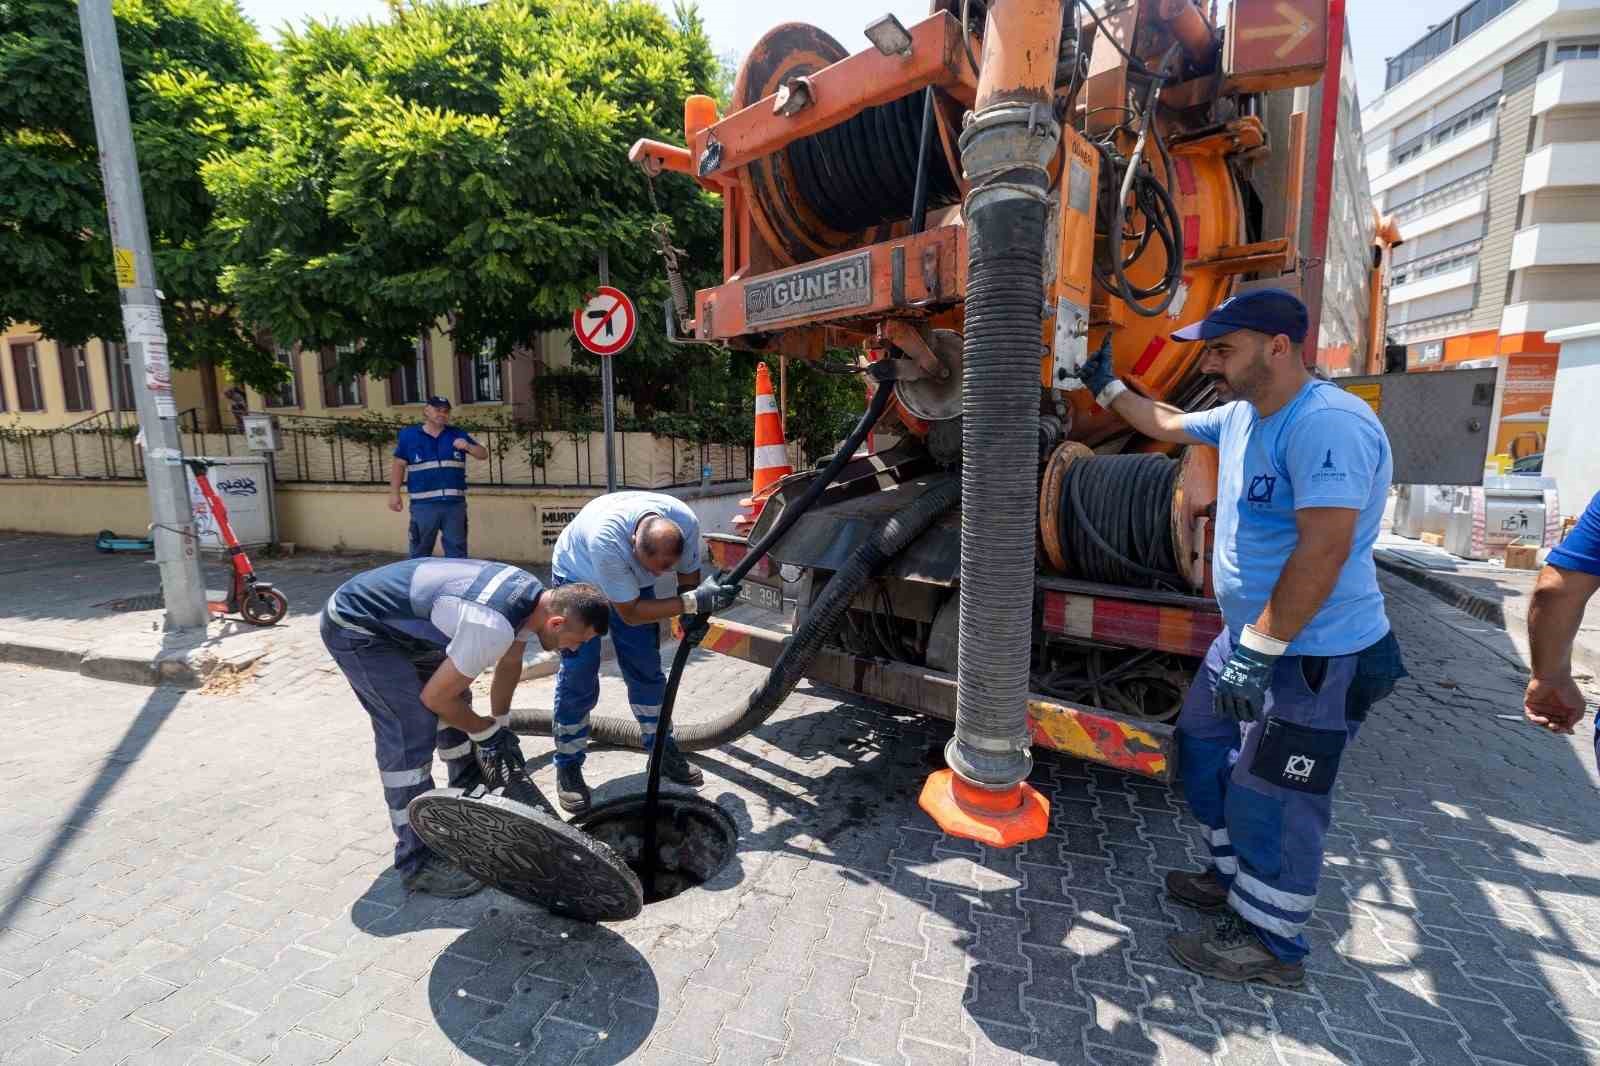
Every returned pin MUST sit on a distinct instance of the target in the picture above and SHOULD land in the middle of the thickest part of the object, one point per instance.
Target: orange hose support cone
(1000, 819)
(772, 454)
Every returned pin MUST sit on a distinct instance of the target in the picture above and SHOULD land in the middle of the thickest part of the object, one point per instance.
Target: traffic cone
(772, 454)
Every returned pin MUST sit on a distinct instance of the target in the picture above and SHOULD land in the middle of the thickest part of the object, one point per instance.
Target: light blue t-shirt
(1324, 448)
(597, 545)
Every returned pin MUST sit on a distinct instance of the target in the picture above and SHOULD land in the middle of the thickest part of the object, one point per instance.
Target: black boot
(675, 767)
(571, 790)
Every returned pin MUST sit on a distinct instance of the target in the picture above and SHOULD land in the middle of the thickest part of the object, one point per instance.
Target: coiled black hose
(863, 172)
(799, 651)
(1162, 220)
(1116, 521)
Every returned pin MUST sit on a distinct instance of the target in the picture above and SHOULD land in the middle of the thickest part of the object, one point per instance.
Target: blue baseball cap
(1269, 311)
(439, 402)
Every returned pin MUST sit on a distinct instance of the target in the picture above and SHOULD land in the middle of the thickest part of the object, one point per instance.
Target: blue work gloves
(711, 596)
(1099, 376)
(1241, 692)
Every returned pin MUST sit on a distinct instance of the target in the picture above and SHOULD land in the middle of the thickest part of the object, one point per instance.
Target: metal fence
(335, 455)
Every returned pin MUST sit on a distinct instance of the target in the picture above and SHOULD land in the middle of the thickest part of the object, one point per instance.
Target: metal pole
(608, 398)
(173, 526)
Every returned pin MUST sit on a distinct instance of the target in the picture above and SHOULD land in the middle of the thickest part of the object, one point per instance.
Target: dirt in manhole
(695, 840)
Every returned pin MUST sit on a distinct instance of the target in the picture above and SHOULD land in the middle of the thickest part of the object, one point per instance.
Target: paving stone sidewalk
(187, 878)
(68, 606)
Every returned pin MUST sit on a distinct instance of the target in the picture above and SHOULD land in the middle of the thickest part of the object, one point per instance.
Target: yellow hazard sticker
(127, 277)
(1373, 394)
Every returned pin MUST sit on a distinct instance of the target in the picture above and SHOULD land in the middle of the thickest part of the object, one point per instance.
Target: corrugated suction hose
(893, 537)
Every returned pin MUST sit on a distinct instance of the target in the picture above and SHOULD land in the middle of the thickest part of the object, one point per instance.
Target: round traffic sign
(605, 324)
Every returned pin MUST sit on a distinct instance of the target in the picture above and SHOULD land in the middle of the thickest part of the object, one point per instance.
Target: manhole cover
(527, 853)
(149, 602)
(695, 838)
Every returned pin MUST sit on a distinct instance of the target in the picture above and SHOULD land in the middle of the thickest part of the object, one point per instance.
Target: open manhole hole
(695, 839)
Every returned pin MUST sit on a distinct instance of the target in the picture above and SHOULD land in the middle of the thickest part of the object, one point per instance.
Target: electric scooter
(256, 601)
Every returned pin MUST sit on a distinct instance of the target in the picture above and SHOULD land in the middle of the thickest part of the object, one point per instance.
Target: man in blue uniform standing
(1306, 648)
(622, 542)
(1569, 580)
(410, 637)
(430, 459)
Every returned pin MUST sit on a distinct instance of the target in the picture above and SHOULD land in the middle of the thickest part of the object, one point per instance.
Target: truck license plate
(761, 595)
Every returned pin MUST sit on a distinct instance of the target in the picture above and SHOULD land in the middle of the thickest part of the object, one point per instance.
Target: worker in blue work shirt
(1306, 648)
(622, 542)
(431, 460)
(1570, 577)
(410, 638)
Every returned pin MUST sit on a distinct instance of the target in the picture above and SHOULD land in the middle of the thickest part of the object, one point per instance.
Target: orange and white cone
(772, 454)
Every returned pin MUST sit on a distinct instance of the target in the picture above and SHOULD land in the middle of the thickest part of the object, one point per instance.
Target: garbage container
(244, 482)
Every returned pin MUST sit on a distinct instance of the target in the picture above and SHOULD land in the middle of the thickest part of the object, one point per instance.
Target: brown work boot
(1231, 951)
(1203, 891)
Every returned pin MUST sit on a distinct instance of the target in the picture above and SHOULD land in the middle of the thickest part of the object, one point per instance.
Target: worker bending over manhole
(410, 638)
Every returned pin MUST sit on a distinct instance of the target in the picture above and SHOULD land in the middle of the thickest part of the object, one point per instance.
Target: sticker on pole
(606, 323)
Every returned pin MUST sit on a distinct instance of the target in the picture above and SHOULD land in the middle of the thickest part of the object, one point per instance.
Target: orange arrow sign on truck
(1295, 28)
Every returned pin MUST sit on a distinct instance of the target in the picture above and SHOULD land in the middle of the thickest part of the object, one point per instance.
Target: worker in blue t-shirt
(1305, 649)
(430, 460)
(1568, 581)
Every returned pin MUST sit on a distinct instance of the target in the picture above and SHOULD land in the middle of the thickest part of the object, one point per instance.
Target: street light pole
(173, 526)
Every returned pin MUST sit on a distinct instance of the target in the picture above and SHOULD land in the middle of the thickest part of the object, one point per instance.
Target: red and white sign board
(606, 323)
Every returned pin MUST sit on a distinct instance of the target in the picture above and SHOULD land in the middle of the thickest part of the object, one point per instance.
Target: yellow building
(46, 385)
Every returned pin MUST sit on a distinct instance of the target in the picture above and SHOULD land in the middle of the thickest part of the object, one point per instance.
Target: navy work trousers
(430, 521)
(1264, 790)
(388, 681)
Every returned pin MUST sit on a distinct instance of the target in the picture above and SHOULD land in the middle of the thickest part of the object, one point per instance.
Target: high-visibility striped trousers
(1263, 792)
(578, 684)
(388, 682)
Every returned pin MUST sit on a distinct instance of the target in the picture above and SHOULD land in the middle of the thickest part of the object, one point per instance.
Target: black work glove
(500, 759)
(711, 596)
(1241, 691)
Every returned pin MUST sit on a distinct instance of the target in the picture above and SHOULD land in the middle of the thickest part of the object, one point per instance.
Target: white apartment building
(1485, 148)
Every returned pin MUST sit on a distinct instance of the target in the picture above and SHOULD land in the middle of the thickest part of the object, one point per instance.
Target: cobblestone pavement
(191, 878)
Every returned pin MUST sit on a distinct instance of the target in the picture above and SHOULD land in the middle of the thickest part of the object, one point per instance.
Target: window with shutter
(25, 367)
(408, 382)
(119, 372)
(287, 394)
(337, 391)
(75, 378)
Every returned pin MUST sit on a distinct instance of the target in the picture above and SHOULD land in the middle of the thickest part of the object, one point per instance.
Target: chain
(663, 233)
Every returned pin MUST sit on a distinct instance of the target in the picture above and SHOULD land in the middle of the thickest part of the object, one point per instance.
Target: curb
(1480, 607)
(183, 667)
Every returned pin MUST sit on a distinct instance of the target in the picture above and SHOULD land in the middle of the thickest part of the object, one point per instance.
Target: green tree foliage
(468, 161)
(192, 68)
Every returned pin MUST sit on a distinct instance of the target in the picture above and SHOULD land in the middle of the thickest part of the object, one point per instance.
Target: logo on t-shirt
(1328, 472)
(1261, 487)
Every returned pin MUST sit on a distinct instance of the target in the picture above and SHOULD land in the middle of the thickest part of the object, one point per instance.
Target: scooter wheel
(264, 607)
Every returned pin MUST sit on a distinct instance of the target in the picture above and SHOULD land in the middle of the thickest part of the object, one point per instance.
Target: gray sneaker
(438, 876)
(1231, 951)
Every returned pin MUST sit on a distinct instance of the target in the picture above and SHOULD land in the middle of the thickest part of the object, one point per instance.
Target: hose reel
(840, 188)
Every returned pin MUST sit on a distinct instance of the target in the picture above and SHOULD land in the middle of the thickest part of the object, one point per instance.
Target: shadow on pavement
(158, 707)
(520, 984)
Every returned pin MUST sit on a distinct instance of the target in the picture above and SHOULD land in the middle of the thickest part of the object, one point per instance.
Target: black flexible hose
(864, 171)
(799, 651)
(1116, 521)
(919, 199)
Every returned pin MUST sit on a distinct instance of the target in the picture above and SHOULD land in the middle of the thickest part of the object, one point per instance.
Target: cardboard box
(1522, 557)
(1435, 539)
